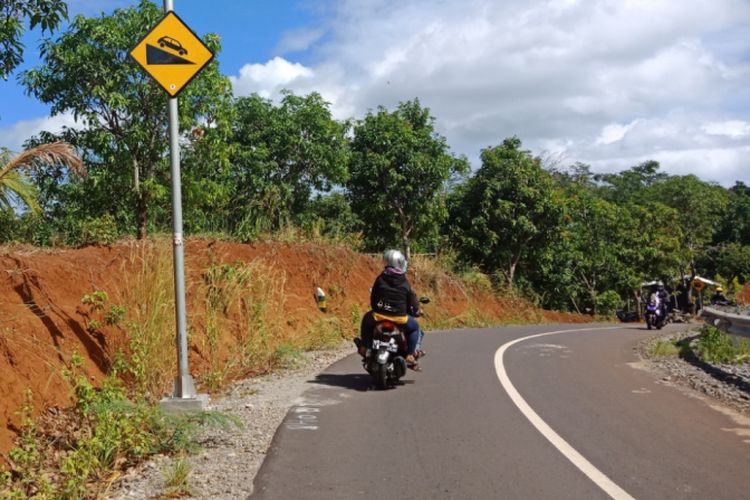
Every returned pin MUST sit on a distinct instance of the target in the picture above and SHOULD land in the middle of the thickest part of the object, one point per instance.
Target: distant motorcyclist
(718, 298)
(393, 299)
(662, 296)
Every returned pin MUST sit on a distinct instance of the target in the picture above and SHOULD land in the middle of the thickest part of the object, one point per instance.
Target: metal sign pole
(184, 395)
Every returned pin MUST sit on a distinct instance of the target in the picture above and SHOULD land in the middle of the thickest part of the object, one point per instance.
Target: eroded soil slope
(43, 319)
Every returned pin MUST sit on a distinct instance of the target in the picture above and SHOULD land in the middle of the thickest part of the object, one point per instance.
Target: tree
(399, 167)
(281, 155)
(735, 223)
(14, 15)
(632, 185)
(507, 212)
(122, 113)
(15, 185)
(701, 207)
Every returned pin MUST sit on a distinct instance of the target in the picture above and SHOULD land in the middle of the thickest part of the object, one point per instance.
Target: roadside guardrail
(736, 324)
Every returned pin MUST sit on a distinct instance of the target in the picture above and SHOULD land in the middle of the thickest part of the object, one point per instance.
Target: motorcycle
(654, 315)
(385, 361)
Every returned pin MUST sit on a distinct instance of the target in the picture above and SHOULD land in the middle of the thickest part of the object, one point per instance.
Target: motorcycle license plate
(389, 346)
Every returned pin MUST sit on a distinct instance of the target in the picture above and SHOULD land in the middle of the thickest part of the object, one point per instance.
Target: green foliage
(28, 479)
(399, 168)
(95, 300)
(280, 156)
(15, 15)
(607, 303)
(111, 433)
(735, 225)
(664, 348)
(507, 212)
(717, 346)
(176, 478)
(115, 315)
(16, 187)
(94, 231)
(124, 143)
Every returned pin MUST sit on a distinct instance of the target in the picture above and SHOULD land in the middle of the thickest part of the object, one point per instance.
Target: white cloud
(732, 128)
(267, 79)
(13, 136)
(609, 82)
(298, 40)
(614, 132)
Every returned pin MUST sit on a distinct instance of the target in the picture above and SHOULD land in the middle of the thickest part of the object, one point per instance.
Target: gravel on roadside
(724, 382)
(228, 459)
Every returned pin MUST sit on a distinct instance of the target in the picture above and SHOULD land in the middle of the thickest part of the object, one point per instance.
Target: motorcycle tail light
(387, 325)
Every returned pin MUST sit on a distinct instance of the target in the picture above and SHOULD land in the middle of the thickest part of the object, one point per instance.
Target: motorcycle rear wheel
(381, 377)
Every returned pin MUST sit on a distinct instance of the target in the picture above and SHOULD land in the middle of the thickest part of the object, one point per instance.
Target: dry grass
(148, 297)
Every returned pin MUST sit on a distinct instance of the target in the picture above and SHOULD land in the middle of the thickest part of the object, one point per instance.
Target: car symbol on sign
(173, 44)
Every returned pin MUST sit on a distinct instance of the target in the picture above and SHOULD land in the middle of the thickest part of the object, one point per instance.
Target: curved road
(505, 413)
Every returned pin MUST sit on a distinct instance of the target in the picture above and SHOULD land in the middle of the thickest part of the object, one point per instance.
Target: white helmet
(395, 259)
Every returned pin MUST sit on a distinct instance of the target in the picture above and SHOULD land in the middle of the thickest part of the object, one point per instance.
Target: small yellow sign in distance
(171, 53)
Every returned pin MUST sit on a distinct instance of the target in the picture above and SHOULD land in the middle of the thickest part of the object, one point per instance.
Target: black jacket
(392, 294)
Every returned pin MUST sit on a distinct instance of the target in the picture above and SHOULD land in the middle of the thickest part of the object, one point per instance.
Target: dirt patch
(43, 320)
(744, 296)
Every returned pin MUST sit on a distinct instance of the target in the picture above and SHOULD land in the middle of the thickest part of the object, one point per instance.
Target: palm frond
(54, 153)
(18, 184)
(13, 182)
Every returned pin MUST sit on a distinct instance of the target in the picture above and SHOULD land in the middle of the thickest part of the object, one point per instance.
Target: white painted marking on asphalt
(597, 476)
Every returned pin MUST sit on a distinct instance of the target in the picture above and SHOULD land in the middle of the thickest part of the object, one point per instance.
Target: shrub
(716, 346)
(96, 231)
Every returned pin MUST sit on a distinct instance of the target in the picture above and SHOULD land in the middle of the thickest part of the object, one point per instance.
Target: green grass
(176, 478)
(104, 432)
(664, 348)
(716, 346)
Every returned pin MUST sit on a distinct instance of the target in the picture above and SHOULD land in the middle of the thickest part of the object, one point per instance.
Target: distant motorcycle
(386, 360)
(655, 317)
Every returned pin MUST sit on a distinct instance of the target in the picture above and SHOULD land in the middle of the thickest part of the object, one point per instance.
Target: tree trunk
(510, 274)
(407, 248)
(639, 305)
(141, 215)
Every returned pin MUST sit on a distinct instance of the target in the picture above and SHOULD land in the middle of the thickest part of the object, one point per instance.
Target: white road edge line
(558, 442)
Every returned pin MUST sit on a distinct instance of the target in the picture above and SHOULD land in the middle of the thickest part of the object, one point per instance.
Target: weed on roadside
(664, 348)
(176, 479)
(717, 346)
(104, 432)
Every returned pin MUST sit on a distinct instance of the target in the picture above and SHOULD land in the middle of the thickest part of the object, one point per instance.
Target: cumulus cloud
(266, 79)
(15, 135)
(609, 82)
(735, 129)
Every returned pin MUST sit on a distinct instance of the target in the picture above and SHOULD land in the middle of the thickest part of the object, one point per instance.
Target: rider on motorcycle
(718, 298)
(663, 297)
(393, 299)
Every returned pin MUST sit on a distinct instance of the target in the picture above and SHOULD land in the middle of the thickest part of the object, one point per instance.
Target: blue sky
(610, 83)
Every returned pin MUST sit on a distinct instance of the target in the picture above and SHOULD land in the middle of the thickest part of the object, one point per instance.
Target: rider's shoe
(411, 362)
(361, 349)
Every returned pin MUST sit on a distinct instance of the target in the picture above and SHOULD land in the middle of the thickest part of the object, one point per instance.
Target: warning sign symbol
(171, 53)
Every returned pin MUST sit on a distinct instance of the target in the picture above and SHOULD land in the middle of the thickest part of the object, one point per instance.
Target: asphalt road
(576, 418)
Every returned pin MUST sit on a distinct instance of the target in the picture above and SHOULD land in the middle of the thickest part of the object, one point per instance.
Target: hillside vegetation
(250, 308)
(563, 236)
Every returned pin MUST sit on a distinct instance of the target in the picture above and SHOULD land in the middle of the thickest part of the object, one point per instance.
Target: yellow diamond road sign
(171, 53)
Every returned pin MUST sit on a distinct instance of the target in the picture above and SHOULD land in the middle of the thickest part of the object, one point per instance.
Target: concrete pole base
(184, 397)
(184, 405)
